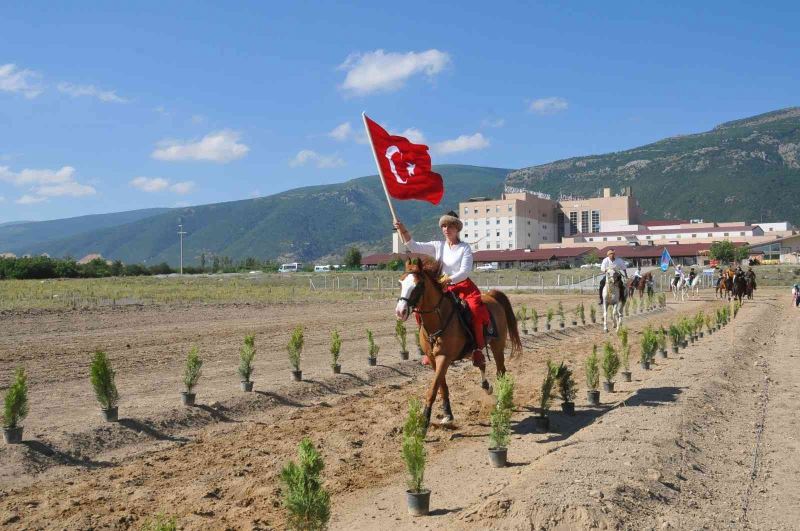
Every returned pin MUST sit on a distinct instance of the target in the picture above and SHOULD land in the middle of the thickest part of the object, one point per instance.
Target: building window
(498, 234)
(649, 237)
(573, 223)
(694, 235)
(605, 239)
(595, 221)
(529, 222)
(741, 234)
(591, 239)
(709, 235)
(487, 210)
(476, 210)
(497, 209)
(510, 246)
(509, 208)
(585, 221)
(497, 245)
(510, 233)
(487, 233)
(466, 210)
(510, 221)
(726, 234)
(498, 222)
(545, 238)
(619, 238)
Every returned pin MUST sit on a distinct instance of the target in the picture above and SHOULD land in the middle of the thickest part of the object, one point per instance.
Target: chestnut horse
(645, 282)
(725, 286)
(441, 336)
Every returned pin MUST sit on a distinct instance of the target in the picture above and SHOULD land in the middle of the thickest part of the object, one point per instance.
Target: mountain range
(744, 170)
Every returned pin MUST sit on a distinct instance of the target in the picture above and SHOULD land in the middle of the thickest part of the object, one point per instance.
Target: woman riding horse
(455, 257)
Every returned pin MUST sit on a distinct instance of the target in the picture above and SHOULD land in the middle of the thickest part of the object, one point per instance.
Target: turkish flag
(405, 167)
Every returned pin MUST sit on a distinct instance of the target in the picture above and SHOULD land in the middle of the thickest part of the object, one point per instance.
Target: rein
(432, 336)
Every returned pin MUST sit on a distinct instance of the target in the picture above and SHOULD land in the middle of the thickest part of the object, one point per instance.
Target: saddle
(465, 319)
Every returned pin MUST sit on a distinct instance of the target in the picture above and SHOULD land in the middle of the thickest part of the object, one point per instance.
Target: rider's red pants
(469, 292)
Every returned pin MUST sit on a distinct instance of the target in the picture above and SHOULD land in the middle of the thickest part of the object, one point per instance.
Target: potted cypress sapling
(102, 378)
(246, 355)
(610, 366)
(305, 499)
(566, 389)
(709, 322)
(336, 347)
(699, 320)
(661, 341)
(625, 351)
(549, 318)
(593, 378)
(650, 301)
(401, 335)
(15, 407)
(593, 313)
(582, 313)
(501, 421)
(649, 344)
(535, 318)
(191, 375)
(542, 421)
(372, 358)
(417, 497)
(560, 315)
(524, 318)
(575, 313)
(519, 315)
(674, 337)
(295, 350)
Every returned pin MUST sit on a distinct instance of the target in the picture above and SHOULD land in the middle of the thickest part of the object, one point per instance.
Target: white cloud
(550, 105)
(159, 184)
(493, 123)
(12, 79)
(220, 146)
(307, 156)
(162, 111)
(149, 184)
(182, 188)
(2, 199)
(29, 200)
(382, 71)
(463, 143)
(76, 91)
(43, 184)
(414, 135)
(341, 132)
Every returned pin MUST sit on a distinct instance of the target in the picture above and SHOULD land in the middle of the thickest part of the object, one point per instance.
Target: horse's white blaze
(406, 286)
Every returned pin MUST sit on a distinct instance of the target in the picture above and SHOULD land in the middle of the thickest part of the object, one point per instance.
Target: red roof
(535, 255)
(654, 251)
(662, 222)
(698, 231)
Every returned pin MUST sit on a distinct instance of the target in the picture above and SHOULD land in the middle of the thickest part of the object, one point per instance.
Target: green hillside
(21, 236)
(301, 224)
(740, 170)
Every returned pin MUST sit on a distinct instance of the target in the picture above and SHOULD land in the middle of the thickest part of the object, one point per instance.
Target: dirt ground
(707, 439)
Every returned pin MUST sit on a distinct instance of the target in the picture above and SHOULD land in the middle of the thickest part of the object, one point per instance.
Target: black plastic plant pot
(12, 435)
(626, 376)
(297, 376)
(187, 398)
(685, 344)
(535, 329)
(574, 323)
(547, 327)
(110, 414)
(403, 355)
(608, 387)
(701, 335)
(593, 397)
(525, 331)
(561, 324)
(541, 424)
(568, 408)
(337, 369)
(498, 457)
(419, 503)
(372, 361)
(662, 353)
(645, 365)
(674, 349)
(247, 386)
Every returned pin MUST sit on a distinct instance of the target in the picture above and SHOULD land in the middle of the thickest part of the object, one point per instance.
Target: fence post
(516, 282)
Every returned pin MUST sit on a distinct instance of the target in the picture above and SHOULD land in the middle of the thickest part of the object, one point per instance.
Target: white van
(294, 267)
(322, 268)
(490, 266)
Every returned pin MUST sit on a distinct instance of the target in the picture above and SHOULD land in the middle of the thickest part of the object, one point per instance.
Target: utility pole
(180, 234)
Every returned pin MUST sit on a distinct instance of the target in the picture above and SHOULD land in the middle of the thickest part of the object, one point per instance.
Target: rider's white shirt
(456, 260)
(617, 263)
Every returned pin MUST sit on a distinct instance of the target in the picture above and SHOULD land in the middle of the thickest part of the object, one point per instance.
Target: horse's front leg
(444, 392)
(605, 317)
(440, 362)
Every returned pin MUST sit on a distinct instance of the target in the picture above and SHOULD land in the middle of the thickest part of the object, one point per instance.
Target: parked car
(492, 266)
(322, 268)
(294, 267)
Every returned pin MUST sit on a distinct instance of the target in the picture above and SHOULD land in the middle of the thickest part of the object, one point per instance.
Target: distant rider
(678, 275)
(611, 262)
(751, 276)
(637, 277)
(692, 275)
(796, 295)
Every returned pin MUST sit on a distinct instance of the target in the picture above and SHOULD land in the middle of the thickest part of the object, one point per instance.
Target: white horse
(694, 286)
(611, 298)
(681, 287)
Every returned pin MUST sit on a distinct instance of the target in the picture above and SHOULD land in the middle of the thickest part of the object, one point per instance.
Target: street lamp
(180, 234)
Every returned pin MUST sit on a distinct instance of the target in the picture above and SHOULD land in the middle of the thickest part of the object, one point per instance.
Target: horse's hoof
(486, 386)
(447, 421)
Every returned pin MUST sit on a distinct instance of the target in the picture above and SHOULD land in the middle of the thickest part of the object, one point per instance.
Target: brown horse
(645, 282)
(442, 337)
(725, 286)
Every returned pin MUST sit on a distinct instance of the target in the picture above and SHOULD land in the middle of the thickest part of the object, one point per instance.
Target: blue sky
(107, 107)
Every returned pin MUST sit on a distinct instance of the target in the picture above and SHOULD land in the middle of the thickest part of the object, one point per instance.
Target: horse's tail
(511, 319)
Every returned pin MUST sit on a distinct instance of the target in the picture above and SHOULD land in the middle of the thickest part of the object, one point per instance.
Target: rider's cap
(451, 218)
(610, 252)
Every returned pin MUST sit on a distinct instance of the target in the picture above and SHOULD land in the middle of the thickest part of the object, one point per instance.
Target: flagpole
(380, 174)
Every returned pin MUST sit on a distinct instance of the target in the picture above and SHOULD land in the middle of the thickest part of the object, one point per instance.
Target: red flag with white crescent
(405, 166)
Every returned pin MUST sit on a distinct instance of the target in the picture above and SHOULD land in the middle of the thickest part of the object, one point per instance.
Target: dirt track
(681, 458)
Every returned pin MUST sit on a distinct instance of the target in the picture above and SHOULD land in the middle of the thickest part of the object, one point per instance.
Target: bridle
(413, 299)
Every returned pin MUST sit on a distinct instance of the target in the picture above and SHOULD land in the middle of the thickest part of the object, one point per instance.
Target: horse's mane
(429, 267)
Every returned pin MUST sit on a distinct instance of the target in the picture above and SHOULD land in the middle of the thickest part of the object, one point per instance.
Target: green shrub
(336, 347)
(160, 522)
(582, 313)
(567, 389)
(661, 338)
(15, 405)
(623, 334)
(401, 334)
(649, 344)
(246, 355)
(306, 500)
(414, 445)
(295, 347)
(610, 362)
(709, 322)
(535, 317)
(524, 313)
(373, 347)
(593, 370)
(192, 370)
(674, 335)
(626, 357)
(550, 315)
(501, 413)
(593, 313)
(560, 312)
(546, 394)
(102, 378)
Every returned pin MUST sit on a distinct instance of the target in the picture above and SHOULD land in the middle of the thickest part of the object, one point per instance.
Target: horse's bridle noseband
(413, 299)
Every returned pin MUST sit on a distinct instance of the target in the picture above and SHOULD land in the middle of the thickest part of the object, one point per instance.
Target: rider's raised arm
(428, 248)
(465, 267)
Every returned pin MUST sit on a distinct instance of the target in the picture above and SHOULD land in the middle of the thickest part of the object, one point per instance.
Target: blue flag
(665, 259)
